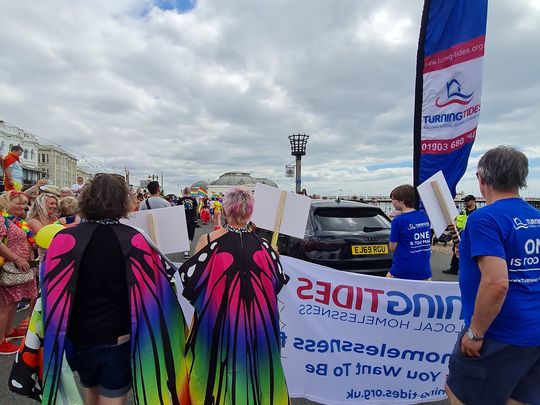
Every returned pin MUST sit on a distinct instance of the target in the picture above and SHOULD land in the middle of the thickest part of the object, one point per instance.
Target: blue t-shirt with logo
(509, 229)
(412, 233)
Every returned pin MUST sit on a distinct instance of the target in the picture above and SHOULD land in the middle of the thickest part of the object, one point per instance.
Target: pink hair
(238, 204)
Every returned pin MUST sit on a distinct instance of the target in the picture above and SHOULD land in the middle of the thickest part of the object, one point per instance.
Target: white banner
(289, 171)
(355, 339)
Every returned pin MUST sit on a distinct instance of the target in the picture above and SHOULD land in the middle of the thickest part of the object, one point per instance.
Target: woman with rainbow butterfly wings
(151, 332)
(233, 349)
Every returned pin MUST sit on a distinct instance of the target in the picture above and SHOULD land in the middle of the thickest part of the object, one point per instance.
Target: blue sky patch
(182, 6)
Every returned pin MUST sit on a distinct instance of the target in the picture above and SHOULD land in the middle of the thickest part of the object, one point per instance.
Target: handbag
(11, 275)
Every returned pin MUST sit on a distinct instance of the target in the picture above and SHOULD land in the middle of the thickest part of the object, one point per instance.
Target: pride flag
(448, 87)
(201, 192)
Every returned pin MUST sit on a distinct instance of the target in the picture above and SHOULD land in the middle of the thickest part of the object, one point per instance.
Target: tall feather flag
(448, 87)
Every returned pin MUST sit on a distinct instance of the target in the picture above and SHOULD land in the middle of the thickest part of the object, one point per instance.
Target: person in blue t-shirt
(497, 359)
(410, 237)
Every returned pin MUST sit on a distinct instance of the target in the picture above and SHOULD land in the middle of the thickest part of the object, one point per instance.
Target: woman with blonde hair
(43, 211)
(16, 247)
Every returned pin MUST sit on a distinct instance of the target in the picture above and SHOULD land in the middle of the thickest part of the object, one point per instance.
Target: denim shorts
(107, 367)
(501, 372)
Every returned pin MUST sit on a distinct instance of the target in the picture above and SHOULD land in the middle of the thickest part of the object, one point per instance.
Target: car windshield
(350, 219)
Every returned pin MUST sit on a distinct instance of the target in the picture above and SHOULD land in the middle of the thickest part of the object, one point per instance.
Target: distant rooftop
(240, 179)
(198, 184)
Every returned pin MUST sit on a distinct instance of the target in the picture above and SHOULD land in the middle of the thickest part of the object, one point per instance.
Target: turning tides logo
(454, 95)
(519, 224)
(526, 223)
(463, 114)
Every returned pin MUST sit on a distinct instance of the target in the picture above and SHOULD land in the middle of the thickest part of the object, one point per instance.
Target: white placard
(295, 214)
(171, 227)
(431, 204)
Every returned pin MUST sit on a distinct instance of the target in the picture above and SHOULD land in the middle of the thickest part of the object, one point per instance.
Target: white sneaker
(21, 306)
(186, 255)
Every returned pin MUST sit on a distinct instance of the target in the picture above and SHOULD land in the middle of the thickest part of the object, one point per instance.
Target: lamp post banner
(289, 171)
(355, 339)
(448, 87)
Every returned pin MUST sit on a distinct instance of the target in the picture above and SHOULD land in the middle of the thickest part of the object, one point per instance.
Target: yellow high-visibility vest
(461, 219)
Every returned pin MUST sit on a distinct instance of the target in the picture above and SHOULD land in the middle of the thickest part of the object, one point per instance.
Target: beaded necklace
(237, 230)
(105, 221)
(22, 224)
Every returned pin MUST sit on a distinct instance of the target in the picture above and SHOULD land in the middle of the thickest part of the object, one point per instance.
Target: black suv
(344, 235)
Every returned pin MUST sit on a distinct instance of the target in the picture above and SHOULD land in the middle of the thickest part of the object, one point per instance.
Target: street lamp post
(298, 149)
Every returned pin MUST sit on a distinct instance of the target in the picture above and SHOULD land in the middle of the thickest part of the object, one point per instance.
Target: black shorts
(107, 367)
(501, 372)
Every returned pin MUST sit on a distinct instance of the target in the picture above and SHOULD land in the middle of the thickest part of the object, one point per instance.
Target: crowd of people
(103, 303)
(118, 331)
(24, 215)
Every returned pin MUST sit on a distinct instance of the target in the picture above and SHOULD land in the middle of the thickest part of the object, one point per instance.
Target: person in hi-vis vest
(461, 222)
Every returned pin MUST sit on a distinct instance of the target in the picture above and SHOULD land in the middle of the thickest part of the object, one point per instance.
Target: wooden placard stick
(279, 217)
(446, 211)
(152, 228)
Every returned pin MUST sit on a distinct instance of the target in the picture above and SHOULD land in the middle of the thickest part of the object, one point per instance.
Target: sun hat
(51, 189)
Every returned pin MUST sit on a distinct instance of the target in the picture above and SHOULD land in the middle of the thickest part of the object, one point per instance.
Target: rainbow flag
(201, 192)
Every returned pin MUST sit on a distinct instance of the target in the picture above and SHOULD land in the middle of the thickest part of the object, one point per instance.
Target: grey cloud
(220, 88)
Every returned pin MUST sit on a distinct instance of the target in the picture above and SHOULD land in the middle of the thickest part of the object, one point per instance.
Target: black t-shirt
(101, 311)
(190, 206)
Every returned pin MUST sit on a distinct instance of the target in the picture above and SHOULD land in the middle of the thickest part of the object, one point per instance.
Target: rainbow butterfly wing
(233, 348)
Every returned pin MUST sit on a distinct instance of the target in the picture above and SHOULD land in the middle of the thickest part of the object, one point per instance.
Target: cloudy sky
(195, 90)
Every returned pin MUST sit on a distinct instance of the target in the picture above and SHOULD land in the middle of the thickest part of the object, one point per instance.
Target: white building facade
(11, 136)
(60, 166)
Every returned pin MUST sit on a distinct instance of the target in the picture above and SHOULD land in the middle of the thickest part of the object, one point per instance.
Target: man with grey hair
(497, 359)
